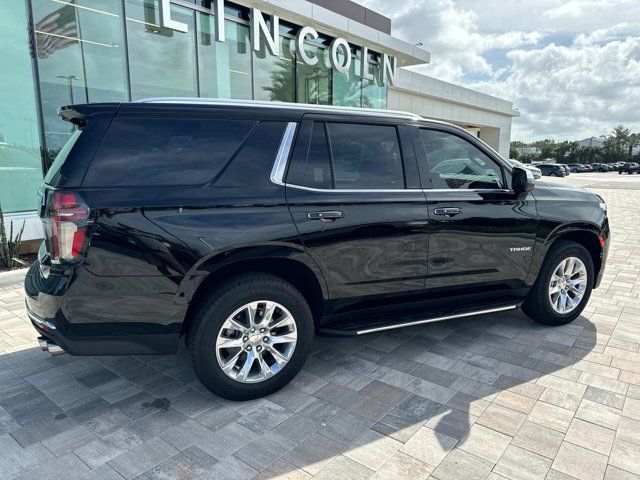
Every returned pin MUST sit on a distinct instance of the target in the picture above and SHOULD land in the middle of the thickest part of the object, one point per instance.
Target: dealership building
(329, 52)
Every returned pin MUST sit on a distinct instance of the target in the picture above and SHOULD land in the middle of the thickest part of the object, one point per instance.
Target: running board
(382, 327)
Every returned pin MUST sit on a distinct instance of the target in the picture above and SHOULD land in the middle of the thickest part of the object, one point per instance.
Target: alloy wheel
(568, 285)
(256, 341)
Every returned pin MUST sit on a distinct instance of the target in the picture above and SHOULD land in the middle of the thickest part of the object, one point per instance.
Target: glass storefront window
(81, 58)
(81, 50)
(20, 163)
(273, 77)
(347, 87)
(162, 62)
(374, 95)
(224, 68)
(314, 82)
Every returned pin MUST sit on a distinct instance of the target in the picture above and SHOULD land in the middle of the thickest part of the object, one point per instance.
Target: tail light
(66, 222)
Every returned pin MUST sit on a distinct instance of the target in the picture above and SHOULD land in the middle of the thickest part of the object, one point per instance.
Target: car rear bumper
(50, 310)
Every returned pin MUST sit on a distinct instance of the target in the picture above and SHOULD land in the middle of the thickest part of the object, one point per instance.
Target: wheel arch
(296, 268)
(585, 234)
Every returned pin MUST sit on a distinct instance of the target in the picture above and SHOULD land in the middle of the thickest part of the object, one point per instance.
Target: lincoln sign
(339, 51)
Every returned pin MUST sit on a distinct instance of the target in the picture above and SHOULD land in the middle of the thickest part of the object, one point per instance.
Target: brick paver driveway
(490, 397)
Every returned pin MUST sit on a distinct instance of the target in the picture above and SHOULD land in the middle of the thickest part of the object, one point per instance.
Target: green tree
(633, 141)
(566, 152)
(616, 145)
(513, 153)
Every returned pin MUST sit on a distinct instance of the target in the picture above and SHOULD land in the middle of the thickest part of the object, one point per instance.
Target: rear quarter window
(165, 152)
(62, 157)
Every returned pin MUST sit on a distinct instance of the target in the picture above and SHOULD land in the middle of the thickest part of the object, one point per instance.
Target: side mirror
(522, 180)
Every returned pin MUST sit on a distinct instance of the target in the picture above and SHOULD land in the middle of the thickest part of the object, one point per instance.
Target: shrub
(9, 245)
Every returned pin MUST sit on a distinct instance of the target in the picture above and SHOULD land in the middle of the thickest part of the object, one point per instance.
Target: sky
(571, 67)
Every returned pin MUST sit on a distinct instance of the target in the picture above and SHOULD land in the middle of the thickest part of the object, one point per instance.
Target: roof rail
(292, 106)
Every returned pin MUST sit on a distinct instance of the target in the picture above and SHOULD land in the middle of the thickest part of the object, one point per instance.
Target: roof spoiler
(80, 114)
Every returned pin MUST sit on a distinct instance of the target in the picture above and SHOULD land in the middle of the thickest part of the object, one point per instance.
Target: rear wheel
(563, 286)
(250, 337)
(553, 174)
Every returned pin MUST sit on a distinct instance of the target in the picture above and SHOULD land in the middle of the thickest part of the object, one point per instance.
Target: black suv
(629, 167)
(247, 227)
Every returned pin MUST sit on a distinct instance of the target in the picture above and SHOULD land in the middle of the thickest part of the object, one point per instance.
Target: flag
(56, 31)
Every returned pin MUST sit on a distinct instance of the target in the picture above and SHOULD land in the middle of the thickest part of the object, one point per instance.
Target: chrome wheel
(568, 285)
(256, 341)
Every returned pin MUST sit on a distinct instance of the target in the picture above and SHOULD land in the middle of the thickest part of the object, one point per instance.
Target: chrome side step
(436, 319)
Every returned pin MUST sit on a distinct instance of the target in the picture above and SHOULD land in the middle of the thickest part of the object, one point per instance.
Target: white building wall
(432, 98)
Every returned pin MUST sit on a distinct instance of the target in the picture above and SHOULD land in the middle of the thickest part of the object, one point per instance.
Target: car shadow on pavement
(420, 391)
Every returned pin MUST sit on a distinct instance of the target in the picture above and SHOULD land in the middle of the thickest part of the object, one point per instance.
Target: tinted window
(154, 152)
(315, 170)
(365, 156)
(62, 156)
(455, 163)
(252, 165)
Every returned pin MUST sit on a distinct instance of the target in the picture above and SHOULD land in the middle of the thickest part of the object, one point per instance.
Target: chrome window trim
(354, 190)
(393, 190)
(476, 190)
(284, 150)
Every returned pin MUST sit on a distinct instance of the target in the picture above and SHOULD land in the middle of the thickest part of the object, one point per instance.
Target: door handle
(448, 211)
(329, 216)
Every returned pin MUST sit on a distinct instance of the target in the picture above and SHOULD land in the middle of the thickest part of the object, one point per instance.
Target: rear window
(315, 171)
(61, 157)
(166, 152)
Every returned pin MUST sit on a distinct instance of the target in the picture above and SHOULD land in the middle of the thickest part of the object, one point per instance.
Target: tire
(553, 174)
(230, 298)
(538, 304)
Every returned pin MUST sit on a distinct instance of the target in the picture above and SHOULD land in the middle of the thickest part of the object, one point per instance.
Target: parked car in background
(629, 167)
(533, 169)
(588, 168)
(551, 169)
(566, 169)
(600, 167)
(576, 167)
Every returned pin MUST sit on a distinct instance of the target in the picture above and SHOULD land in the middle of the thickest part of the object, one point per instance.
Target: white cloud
(571, 67)
(451, 34)
(579, 90)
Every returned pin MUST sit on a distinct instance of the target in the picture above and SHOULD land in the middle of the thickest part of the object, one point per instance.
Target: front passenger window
(454, 163)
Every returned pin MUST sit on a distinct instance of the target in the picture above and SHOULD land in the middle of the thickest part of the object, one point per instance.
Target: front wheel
(563, 286)
(250, 337)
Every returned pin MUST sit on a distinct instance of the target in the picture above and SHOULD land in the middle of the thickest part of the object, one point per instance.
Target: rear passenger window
(165, 152)
(365, 156)
(315, 171)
